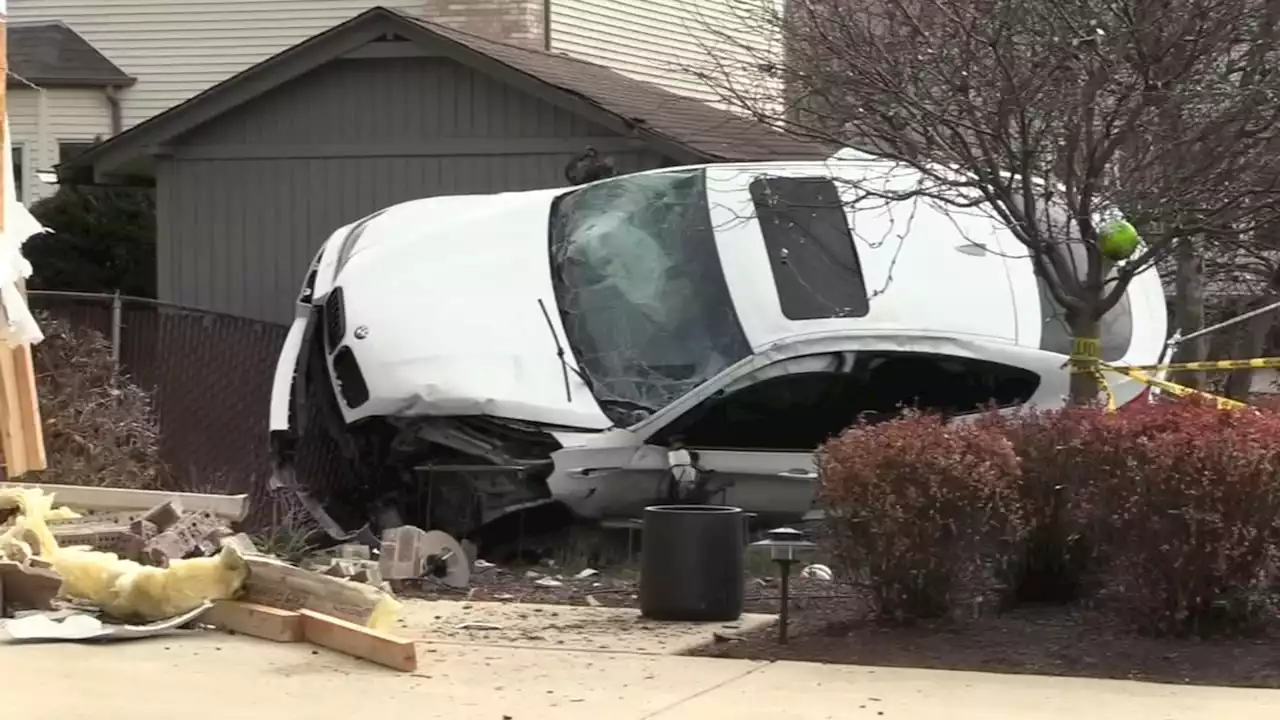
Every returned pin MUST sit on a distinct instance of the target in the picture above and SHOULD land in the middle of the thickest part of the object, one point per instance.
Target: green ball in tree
(1118, 240)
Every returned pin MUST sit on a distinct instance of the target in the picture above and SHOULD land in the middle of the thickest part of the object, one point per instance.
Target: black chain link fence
(210, 375)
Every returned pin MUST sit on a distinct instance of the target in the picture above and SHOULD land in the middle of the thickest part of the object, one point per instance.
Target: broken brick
(212, 543)
(182, 538)
(242, 543)
(144, 529)
(115, 538)
(368, 574)
(164, 516)
(340, 569)
(403, 552)
(28, 587)
(93, 519)
(354, 551)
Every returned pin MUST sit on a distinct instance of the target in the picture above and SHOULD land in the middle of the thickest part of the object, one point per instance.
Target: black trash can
(691, 563)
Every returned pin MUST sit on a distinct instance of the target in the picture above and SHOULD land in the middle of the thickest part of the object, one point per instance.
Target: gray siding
(246, 200)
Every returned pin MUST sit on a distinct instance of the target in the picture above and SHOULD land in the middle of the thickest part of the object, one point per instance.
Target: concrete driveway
(208, 676)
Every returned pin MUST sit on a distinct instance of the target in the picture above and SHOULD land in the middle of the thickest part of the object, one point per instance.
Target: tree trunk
(1084, 386)
(1252, 344)
(1189, 313)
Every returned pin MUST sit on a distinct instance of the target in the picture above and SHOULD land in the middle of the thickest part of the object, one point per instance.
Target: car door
(753, 442)
(752, 434)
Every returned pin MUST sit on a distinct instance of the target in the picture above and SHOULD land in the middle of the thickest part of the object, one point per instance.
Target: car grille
(335, 321)
(350, 380)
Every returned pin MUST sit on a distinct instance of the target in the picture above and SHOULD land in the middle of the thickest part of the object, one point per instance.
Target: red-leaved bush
(1057, 449)
(925, 513)
(1185, 513)
(1168, 512)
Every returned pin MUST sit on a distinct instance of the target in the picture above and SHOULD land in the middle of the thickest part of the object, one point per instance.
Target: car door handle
(591, 472)
(799, 474)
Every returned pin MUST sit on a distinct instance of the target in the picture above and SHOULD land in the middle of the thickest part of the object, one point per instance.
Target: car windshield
(643, 298)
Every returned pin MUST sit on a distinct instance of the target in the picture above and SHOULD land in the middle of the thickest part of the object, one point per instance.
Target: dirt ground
(828, 624)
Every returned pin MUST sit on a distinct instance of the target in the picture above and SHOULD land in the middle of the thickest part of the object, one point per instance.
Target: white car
(578, 347)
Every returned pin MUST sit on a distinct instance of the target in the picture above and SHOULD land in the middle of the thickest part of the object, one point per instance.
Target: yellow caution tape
(1174, 388)
(1085, 359)
(1254, 364)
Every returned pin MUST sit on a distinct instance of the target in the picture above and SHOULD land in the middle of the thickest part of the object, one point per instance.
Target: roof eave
(72, 82)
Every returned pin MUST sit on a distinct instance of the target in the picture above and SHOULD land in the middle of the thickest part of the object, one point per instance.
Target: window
(640, 289)
(811, 251)
(18, 172)
(798, 404)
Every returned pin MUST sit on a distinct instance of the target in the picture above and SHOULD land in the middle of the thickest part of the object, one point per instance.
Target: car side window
(800, 403)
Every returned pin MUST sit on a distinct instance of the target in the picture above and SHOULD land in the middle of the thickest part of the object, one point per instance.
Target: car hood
(449, 310)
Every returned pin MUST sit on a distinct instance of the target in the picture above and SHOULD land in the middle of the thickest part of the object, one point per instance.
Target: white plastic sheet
(20, 327)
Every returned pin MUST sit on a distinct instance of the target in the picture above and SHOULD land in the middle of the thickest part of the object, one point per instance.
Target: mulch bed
(829, 624)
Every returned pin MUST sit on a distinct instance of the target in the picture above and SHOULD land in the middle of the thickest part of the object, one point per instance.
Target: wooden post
(4, 92)
(21, 434)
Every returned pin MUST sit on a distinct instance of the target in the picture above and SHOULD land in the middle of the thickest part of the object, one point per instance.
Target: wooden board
(255, 620)
(227, 507)
(21, 438)
(357, 641)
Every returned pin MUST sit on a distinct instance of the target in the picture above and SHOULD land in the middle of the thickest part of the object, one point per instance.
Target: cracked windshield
(643, 298)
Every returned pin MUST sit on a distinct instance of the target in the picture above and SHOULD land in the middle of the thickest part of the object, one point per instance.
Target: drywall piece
(260, 621)
(278, 584)
(82, 627)
(357, 641)
(228, 507)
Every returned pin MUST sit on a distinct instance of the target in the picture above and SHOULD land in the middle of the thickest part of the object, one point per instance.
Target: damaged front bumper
(456, 474)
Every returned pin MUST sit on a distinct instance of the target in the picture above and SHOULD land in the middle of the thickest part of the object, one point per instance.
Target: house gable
(378, 103)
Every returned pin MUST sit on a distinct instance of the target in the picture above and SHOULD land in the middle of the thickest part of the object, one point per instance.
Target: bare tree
(1057, 117)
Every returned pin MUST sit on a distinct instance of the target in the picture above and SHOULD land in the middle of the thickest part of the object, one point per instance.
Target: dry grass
(100, 429)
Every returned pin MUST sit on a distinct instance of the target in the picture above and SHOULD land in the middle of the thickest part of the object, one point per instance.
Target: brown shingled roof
(51, 54)
(690, 130)
(714, 131)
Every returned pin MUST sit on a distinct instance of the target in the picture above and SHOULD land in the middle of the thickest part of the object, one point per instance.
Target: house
(253, 174)
(62, 96)
(167, 51)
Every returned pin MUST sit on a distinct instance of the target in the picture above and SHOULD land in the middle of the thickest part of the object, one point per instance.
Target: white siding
(71, 115)
(666, 42)
(178, 48)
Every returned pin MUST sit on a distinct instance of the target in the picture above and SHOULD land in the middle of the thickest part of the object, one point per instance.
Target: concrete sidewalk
(210, 676)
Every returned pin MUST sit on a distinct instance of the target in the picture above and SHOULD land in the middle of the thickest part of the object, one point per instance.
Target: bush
(1057, 449)
(1167, 512)
(1187, 515)
(103, 240)
(925, 513)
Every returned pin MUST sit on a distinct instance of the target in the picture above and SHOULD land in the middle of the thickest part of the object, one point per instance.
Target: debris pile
(173, 560)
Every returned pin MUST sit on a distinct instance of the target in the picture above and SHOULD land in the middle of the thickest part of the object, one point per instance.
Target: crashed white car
(686, 334)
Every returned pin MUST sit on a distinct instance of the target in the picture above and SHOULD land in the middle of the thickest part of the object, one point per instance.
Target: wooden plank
(255, 620)
(13, 442)
(29, 406)
(357, 641)
(228, 507)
